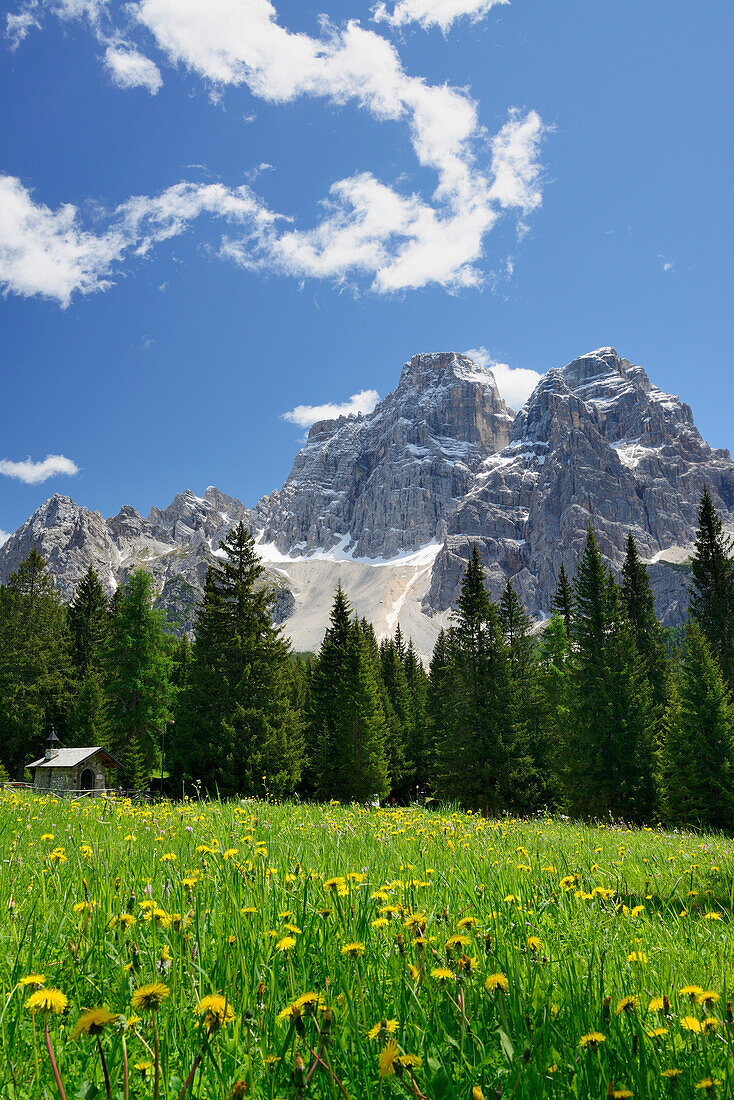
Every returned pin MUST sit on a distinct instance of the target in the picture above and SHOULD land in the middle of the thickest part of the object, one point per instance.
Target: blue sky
(215, 211)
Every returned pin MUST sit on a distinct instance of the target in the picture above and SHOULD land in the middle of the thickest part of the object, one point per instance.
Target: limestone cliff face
(176, 544)
(440, 461)
(595, 443)
(389, 482)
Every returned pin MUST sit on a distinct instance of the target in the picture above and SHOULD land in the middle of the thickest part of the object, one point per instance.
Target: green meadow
(289, 951)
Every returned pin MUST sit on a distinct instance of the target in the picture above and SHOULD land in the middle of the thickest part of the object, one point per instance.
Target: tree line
(601, 712)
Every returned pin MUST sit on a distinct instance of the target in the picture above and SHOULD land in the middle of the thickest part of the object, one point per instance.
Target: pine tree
(236, 731)
(480, 758)
(89, 623)
(362, 764)
(322, 719)
(712, 589)
(554, 695)
(563, 599)
(138, 675)
(443, 751)
(649, 637)
(612, 713)
(400, 718)
(418, 686)
(697, 755)
(89, 628)
(35, 666)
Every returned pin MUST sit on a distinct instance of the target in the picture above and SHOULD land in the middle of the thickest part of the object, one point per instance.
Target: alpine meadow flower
(149, 998)
(47, 1000)
(592, 1040)
(215, 1010)
(497, 982)
(93, 1022)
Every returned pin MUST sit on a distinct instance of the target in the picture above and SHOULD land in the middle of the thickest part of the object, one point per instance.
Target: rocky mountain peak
(386, 482)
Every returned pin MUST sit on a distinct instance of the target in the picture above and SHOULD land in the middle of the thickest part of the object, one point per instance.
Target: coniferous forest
(602, 712)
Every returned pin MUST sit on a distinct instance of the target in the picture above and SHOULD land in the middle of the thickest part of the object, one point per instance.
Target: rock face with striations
(441, 464)
(176, 544)
(390, 481)
(595, 443)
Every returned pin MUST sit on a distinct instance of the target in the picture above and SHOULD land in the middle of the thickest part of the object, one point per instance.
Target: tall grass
(564, 932)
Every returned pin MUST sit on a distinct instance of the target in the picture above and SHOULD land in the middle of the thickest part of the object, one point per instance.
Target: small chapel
(85, 771)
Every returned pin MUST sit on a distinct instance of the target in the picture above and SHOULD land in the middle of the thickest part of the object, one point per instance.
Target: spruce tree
(322, 718)
(563, 599)
(35, 666)
(138, 675)
(481, 759)
(418, 686)
(237, 732)
(612, 712)
(712, 589)
(697, 765)
(401, 720)
(443, 750)
(363, 769)
(89, 627)
(554, 696)
(649, 636)
(89, 622)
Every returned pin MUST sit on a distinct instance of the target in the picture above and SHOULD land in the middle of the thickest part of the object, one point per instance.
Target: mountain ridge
(390, 502)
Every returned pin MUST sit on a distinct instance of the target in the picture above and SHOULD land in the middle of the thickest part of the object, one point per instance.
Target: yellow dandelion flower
(144, 1068)
(692, 991)
(592, 1040)
(657, 1032)
(657, 1004)
(708, 997)
(408, 1061)
(671, 1074)
(442, 974)
(497, 982)
(32, 979)
(690, 1023)
(383, 1029)
(708, 1083)
(636, 910)
(388, 1057)
(286, 944)
(457, 941)
(93, 1022)
(637, 957)
(215, 1009)
(533, 943)
(466, 922)
(47, 1000)
(169, 857)
(711, 916)
(148, 998)
(627, 1004)
(352, 950)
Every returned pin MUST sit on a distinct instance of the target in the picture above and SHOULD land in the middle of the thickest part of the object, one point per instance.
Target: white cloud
(4, 536)
(18, 26)
(516, 164)
(33, 473)
(130, 69)
(48, 253)
(514, 383)
(403, 241)
(370, 229)
(433, 13)
(306, 415)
